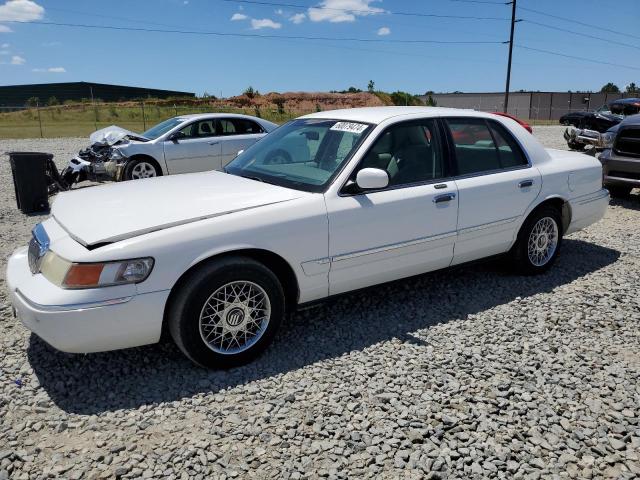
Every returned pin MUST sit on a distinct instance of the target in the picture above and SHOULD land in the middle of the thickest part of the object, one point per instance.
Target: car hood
(99, 215)
(112, 135)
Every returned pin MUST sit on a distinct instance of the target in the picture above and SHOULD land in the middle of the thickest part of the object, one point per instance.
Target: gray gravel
(466, 373)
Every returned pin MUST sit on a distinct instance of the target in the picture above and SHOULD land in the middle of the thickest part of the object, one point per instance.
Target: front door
(198, 150)
(496, 185)
(236, 134)
(405, 229)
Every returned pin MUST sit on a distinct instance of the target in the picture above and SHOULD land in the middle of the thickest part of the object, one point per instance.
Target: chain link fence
(79, 120)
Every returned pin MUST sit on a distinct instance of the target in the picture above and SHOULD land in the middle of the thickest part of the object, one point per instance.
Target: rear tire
(538, 242)
(141, 168)
(619, 191)
(226, 312)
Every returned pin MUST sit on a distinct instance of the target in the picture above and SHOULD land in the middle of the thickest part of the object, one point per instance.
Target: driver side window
(409, 152)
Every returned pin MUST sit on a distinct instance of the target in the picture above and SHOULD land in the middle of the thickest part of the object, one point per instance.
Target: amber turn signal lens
(83, 275)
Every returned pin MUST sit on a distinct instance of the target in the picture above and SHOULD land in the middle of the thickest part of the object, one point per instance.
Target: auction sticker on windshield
(351, 127)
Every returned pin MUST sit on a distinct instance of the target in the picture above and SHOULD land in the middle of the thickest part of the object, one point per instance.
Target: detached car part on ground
(184, 144)
(621, 157)
(586, 128)
(329, 203)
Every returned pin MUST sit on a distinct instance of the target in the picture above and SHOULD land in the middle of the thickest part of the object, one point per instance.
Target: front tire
(226, 312)
(141, 168)
(538, 242)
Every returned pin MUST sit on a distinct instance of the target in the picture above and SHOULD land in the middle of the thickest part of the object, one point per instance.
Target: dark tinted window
(238, 126)
(482, 146)
(409, 152)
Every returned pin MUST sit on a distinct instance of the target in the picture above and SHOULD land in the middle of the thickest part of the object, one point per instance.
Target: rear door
(237, 134)
(496, 184)
(198, 151)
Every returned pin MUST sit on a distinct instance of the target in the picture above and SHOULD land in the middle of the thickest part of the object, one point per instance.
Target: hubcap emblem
(235, 317)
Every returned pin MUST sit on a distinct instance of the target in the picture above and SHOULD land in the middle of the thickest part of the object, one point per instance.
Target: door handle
(446, 197)
(440, 186)
(525, 183)
(213, 143)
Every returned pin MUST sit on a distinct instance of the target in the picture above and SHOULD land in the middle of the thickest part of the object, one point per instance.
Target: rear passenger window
(482, 146)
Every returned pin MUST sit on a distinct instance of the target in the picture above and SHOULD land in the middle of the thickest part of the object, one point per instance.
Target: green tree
(32, 101)
(280, 101)
(371, 86)
(610, 88)
(431, 102)
(53, 101)
(251, 93)
(632, 88)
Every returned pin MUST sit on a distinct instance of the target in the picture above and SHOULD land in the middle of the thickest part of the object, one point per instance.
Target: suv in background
(621, 157)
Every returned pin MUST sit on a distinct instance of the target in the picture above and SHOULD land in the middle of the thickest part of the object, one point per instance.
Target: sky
(397, 54)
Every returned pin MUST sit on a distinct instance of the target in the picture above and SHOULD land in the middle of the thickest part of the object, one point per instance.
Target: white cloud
(17, 60)
(4, 45)
(337, 11)
(382, 31)
(21, 11)
(298, 18)
(257, 23)
(279, 12)
(5, 29)
(238, 16)
(50, 70)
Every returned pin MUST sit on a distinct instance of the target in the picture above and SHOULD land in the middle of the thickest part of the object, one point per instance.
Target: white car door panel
(490, 209)
(232, 144)
(192, 155)
(383, 236)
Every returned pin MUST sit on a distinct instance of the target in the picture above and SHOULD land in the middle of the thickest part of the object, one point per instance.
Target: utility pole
(513, 24)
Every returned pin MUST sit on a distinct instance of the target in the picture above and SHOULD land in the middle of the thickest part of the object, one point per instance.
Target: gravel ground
(465, 373)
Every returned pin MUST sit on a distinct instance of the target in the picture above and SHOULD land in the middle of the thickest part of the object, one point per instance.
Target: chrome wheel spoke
(234, 317)
(543, 241)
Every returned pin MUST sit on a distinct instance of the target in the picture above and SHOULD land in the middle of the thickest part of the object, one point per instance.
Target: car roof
(624, 101)
(200, 116)
(631, 120)
(378, 115)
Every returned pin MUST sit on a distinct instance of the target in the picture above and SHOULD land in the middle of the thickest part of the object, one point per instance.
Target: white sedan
(184, 144)
(328, 203)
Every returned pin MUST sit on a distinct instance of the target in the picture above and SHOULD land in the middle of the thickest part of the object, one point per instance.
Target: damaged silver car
(183, 144)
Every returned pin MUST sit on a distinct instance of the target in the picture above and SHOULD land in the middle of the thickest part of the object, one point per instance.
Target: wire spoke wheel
(235, 317)
(143, 170)
(543, 241)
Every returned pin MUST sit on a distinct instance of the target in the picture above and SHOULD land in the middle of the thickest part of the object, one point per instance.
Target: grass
(83, 119)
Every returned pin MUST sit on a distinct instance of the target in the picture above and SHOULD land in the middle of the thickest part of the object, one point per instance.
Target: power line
(574, 21)
(572, 32)
(601, 62)
(363, 11)
(257, 35)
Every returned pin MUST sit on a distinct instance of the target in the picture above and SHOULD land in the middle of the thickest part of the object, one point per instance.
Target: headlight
(116, 154)
(607, 139)
(66, 274)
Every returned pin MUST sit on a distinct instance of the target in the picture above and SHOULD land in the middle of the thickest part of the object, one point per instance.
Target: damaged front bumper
(583, 137)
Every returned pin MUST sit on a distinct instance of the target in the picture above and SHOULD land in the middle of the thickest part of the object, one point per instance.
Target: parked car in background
(621, 157)
(329, 203)
(183, 144)
(574, 118)
(524, 124)
(589, 128)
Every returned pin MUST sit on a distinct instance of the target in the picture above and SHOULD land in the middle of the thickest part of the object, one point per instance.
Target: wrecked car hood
(112, 135)
(115, 212)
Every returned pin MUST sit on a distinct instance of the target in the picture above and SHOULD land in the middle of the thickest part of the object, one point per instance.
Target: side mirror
(372, 179)
(175, 136)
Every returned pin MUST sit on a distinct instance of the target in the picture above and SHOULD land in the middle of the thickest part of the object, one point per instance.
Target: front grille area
(628, 142)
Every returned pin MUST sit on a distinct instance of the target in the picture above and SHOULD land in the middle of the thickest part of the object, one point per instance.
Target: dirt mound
(306, 101)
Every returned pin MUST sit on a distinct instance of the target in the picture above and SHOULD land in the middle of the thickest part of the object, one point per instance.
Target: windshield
(303, 154)
(162, 128)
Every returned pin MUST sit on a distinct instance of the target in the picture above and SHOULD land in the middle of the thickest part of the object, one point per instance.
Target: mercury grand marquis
(328, 203)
